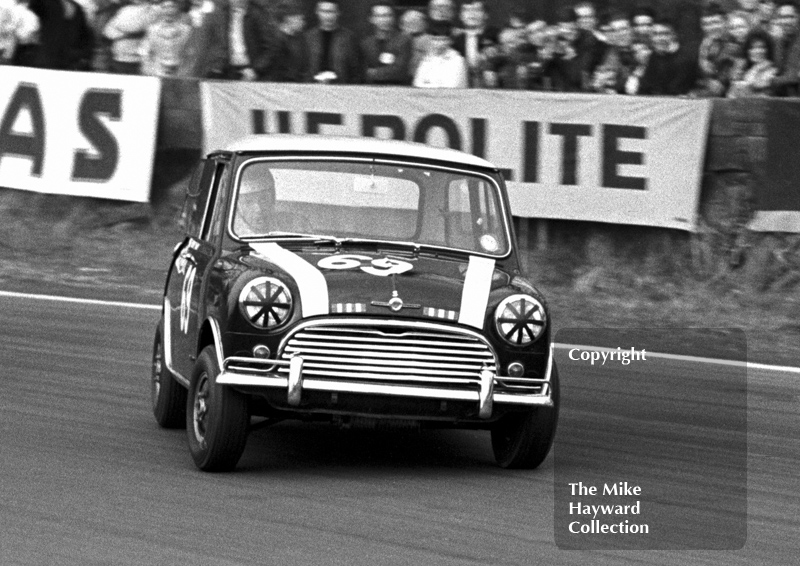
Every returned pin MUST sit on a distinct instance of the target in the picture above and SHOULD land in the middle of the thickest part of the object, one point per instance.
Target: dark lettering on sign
(30, 145)
(371, 122)
(478, 137)
(316, 119)
(613, 157)
(431, 121)
(100, 167)
(284, 122)
(530, 152)
(569, 152)
(258, 121)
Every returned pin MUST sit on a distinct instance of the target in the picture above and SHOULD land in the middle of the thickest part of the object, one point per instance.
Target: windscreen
(368, 200)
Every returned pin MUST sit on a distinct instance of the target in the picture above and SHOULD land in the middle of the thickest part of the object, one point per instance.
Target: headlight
(266, 302)
(520, 319)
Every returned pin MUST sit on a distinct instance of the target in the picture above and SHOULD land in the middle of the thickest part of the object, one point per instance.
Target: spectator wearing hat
(333, 52)
(66, 41)
(165, 49)
(386, 54)
(442, 66)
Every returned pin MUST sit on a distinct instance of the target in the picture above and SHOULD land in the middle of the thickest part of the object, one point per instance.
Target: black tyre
(522, 440)
(217, 418)
(167, 395)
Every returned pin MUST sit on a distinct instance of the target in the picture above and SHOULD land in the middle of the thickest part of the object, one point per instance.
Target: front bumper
(485, 390)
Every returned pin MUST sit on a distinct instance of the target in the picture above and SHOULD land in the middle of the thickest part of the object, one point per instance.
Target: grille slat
(378, 352)
(391, 353)
(370, 376)
(389, 341)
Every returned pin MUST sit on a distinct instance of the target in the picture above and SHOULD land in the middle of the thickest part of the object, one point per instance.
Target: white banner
(83, 134)
(604, 158)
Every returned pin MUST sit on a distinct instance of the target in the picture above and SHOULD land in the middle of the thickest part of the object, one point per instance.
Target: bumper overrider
(373, 357)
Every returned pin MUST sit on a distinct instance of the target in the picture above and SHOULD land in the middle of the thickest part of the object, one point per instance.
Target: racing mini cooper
(354, 281)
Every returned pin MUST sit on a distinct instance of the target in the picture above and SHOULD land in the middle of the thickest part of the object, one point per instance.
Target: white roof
(343, 144)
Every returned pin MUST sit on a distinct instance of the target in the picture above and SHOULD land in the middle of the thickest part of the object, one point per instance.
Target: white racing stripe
(475, 295)
(310, 280)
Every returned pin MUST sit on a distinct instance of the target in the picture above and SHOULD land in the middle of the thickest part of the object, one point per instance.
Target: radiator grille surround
(392, 353)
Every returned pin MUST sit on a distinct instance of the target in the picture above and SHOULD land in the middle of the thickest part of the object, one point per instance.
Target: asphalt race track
(87, 477)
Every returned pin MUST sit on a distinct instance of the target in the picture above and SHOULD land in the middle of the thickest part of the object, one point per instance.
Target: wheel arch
(211, 335)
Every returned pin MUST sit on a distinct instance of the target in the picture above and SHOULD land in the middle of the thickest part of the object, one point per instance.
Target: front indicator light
(515, 369)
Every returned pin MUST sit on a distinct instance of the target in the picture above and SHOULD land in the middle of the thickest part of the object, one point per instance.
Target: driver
(256, 201)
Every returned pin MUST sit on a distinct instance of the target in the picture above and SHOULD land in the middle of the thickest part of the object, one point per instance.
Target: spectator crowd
(750, 48)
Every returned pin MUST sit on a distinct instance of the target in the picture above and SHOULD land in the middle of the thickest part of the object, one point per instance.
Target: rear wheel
(167, 395)
(217, 418)
(523, 440)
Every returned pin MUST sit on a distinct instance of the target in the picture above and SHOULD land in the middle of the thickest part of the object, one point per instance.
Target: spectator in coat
(65, 38)
(165, 49)
(756, 79)
(618, 58)
(126, 31)
(260, 35)
(632, 83)
(565, 71)
(476, 41)
(738, 28)
(18, 27)
(591, 45)
(787, 18)
(713, 61)
(442, 66)
(291, 58)
(332, 49)
(210, 49)
(670, 70)
(438, 11)
(386, 54)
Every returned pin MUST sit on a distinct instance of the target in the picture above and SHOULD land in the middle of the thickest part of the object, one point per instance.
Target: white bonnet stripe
(475, 296)
(309, 279)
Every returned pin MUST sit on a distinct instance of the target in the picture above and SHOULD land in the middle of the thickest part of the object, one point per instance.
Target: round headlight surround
(266, 303)
(520, 320)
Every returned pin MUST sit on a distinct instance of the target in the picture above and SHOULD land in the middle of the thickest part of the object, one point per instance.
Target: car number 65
(381, 267)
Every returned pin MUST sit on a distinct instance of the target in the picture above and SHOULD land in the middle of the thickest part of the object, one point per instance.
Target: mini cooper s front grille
(410, 353)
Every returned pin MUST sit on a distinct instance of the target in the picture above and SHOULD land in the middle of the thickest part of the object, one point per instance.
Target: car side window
(197, 196)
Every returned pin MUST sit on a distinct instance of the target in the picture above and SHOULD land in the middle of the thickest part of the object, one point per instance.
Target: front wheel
(167, 395)
(217, 418)
(523, 440)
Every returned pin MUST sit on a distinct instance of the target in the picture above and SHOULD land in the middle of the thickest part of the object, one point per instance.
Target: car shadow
(306, 446)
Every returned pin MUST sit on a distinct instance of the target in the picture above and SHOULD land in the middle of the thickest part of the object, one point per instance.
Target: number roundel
(520, 319)
(380, 267)
(266, 302)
